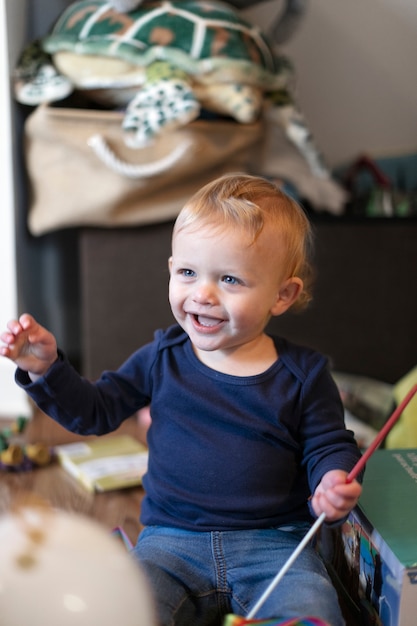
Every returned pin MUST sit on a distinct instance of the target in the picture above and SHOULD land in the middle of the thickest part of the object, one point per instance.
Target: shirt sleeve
(86, 407)
(327, 444)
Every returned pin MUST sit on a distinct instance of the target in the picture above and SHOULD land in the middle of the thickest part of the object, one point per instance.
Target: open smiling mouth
(203, 321)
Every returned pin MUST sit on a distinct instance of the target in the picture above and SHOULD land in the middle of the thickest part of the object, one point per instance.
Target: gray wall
(355, 63)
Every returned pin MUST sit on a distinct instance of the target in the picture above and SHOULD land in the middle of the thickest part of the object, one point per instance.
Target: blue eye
(231, 280)
(187, 273)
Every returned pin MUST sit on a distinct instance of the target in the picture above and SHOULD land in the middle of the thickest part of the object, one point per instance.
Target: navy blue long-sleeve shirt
(225, 452)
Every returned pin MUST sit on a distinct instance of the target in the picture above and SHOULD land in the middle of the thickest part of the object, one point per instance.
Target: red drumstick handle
(380, 436)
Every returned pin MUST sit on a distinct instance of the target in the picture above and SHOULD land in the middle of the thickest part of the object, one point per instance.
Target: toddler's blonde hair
(253, 203)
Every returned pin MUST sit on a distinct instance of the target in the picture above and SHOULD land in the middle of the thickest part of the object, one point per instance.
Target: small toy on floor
(17, 455)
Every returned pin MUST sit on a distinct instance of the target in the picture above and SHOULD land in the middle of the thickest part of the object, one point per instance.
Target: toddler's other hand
(334, 497)
(29, 345)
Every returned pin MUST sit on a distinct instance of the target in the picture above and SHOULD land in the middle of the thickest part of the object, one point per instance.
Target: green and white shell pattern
(206, 39)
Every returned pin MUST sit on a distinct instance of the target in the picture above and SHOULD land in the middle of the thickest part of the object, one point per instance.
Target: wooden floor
(53, 485)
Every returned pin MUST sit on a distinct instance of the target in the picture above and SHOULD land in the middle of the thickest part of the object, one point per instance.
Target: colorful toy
(233, 620)
(18, 456)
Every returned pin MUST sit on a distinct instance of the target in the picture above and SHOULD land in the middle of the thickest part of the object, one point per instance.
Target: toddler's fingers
(8, 347)
(26, 320)
(336, 502)
(14, 327)
(34, 331)
(4, 351)
(347, 492)
(321, 505)
(7, 338)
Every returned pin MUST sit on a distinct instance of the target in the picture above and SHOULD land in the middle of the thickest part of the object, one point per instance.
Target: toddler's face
(223, 290)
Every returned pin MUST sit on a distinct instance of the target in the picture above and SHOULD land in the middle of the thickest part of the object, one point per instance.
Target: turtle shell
(207, 39)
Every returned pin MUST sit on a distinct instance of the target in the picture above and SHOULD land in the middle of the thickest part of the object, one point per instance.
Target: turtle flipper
(165, 102)
(241, 102)
(285, 114)
(35, 78)
(289, 153)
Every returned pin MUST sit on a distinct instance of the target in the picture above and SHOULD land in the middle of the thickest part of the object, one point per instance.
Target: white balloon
(64, 569)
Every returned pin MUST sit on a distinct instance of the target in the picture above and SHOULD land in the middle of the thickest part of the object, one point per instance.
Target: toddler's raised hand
(29, 345)
(334, 497)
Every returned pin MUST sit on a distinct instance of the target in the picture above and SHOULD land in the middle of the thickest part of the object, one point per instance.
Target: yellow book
(105, 463)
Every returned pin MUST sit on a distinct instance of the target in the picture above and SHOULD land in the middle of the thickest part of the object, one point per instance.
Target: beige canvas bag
(82, 173)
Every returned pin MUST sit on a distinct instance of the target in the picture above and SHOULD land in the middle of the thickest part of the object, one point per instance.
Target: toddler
(245, 426)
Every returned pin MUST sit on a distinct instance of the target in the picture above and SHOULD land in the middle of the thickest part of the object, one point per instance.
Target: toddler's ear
(170, 264)
(287, 295)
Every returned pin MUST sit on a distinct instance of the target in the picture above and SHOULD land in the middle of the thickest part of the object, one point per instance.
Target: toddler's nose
(205, 293)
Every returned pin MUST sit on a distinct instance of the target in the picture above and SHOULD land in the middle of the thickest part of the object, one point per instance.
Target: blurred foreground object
(61, 568)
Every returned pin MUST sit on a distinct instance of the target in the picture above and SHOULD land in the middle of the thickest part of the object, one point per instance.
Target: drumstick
(350, 477)
(380, 436)
(287, 565)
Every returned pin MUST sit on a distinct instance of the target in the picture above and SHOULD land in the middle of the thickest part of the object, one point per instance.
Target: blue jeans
(199, 577)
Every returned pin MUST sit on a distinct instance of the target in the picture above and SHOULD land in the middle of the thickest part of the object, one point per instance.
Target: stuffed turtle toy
(164, 63)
